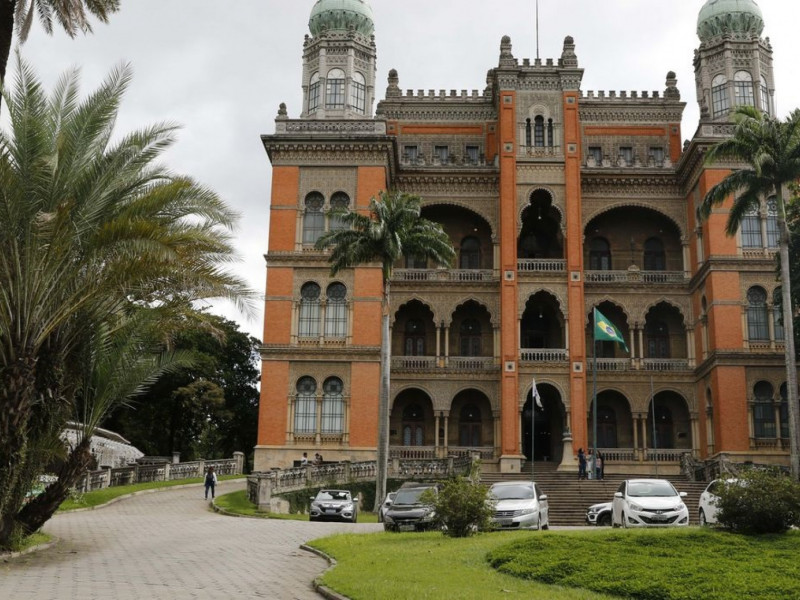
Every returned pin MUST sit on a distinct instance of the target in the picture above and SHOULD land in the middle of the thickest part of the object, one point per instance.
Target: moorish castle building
(557, 200)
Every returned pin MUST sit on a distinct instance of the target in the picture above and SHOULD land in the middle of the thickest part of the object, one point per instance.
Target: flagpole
(655, 441)
(594, 395)
(533, 427)
(537, 29)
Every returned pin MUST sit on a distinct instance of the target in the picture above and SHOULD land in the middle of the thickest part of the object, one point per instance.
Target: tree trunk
(788, 328)
(17, 382)
(7, 8)
(39, 510)
(382, 468)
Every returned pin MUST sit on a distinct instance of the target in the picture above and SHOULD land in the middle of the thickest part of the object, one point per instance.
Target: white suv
(648, 503)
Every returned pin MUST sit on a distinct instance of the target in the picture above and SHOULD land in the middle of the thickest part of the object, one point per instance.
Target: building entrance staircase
(569, 498)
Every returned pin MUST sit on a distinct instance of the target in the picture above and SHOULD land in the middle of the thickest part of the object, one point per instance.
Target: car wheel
(355, 518)
(703, 521)
(546, 525)
(624, 521)
(604, 520)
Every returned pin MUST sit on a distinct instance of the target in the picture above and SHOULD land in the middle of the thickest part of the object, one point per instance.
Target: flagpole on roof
(594, 395)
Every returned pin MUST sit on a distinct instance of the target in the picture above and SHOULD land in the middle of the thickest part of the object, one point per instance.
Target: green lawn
(29, 542)
(686, 564)
(98, 497)
(237, 503)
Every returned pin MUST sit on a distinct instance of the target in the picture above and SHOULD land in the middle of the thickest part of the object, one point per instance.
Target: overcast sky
(221, 68)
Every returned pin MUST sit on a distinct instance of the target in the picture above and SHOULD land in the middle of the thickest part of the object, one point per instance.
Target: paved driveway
(168, 545)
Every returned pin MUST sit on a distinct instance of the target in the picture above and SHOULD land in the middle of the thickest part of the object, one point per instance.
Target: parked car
(519, 505)
(707, 507)
(599, 514)
(648, 503)
(408, 512)
(387, 502)
(333, 505)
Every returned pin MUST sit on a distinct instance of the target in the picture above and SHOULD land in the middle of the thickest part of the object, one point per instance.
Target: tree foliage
(94, 234)
(462, 505)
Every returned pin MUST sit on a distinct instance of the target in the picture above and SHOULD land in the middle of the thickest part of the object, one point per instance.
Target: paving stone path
(169, 545)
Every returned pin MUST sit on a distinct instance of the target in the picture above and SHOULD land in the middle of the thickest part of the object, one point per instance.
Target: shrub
(759, 501)
(461, 505)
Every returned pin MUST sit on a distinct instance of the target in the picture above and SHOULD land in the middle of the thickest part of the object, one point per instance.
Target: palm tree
(393, 229)
(72, 15)
(771, 150)
(90, 230)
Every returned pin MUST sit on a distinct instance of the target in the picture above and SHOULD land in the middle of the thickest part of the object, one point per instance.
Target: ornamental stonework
(320, 371)
(558, 291)
(328, 181)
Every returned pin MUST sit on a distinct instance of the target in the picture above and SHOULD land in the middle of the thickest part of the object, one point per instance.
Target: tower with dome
(558, 201)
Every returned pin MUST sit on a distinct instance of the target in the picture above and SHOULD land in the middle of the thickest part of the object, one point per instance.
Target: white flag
(535, 394)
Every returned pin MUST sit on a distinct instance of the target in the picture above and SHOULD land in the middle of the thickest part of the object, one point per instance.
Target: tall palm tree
(91, 227)
(392, 230)
(770, 149)
(72, 15)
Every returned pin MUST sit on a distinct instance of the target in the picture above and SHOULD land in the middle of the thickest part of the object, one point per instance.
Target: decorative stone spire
(672, 92)
(393, 89)
(506, 58)
(568, 57)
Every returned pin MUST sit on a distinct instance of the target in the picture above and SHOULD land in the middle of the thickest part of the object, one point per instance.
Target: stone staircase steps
(569, 498)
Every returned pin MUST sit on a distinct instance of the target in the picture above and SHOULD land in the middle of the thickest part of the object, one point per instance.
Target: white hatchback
(648, 503)
(707, 507)
(519, 505)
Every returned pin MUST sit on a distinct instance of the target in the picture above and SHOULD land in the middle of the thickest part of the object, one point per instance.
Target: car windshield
(409, 496)
(333, 495)
(512, 492)
(643, 489)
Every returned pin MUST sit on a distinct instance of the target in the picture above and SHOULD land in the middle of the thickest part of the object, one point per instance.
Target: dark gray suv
(408, 512)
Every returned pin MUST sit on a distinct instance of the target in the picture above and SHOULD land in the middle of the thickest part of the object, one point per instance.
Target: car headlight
(347, 507)
(314, 506)
(680, 506)
(636, 507)
(387, 519)
(428, 516)
(527, 511)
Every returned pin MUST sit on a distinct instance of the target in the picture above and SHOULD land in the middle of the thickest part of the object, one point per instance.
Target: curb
(321, 589)
(7, 556)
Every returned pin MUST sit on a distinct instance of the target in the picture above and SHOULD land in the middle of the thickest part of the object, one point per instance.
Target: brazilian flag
(605, 330)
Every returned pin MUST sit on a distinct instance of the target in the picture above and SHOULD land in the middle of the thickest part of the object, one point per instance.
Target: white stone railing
(262, 486)
(618, 454)
(412, 452)
(543, 355)
(471, 363)
(665, 455)
(486, 452)
(635, 276)
(443, 275)
(414, 363)
(539, 265)
(164, 471)
(665, 364)
(610, 364)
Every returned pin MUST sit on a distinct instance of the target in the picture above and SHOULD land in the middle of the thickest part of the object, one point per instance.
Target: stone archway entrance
(543, 428)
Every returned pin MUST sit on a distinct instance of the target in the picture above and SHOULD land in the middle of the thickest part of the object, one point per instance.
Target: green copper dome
(341, 15)
(718, 17)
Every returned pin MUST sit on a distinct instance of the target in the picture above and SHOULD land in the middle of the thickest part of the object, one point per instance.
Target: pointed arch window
(339, 202)
(416, 262)
(777, 315)
(336, 311)
(470, 334)
(599, 255)
(313, 93)
(657, 334)
(743, 89)
(719, 96)
(469, 426)
(766, 105)
(358, 93)
(313, 218)
(334, 89)
(606, 426)
(332, 406)
(763, 411)
(415, 338)
(751, 229)
(305, 410)
(309, 311)
(655, 259)
(413, 421)
(773, 233)
(470, 255)
(757, 328)
(538, 131)
(528, 133)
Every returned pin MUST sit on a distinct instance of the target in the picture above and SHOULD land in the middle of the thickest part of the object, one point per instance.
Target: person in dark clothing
(581, 464)
(211, 481)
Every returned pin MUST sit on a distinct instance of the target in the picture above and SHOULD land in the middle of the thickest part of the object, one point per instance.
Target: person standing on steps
(211, 481)
(599, 466)
(581, 464)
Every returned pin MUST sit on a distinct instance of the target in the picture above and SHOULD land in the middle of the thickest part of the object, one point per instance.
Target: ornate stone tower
(733, 66)
(339, 61)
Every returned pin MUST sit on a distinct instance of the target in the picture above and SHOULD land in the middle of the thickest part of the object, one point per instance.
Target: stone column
(636, 454)
(239, 458)
(569, 463)
(446, 430)
(436, 433)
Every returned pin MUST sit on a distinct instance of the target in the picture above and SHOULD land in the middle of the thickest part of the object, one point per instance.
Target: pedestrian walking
(581, 464)
(211, 481)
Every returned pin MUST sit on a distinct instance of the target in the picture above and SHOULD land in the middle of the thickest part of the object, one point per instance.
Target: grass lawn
(237, 503)
(29, 542)
(98, 497)
(686, 564)
(399, 566)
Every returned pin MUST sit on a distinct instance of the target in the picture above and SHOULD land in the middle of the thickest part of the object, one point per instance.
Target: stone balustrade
(160, 471)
